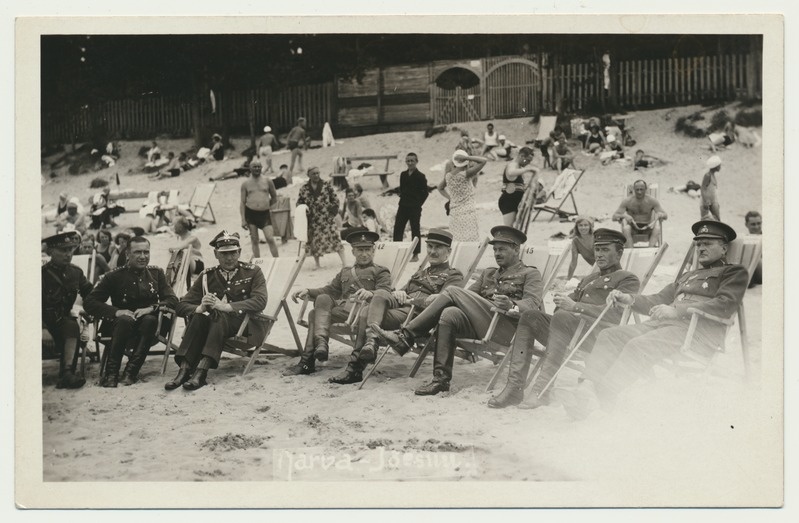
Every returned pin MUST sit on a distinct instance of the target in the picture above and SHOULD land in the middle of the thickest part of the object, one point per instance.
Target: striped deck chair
(561, 191)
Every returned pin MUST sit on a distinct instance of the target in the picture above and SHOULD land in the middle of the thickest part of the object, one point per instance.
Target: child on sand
(709, 205)
(644, 161)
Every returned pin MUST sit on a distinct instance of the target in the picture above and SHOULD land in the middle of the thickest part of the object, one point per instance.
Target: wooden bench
(342, 166)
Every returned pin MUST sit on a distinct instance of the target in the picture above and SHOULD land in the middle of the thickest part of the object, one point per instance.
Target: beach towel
(327, 136)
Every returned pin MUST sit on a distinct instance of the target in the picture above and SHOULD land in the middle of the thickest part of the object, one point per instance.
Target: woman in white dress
(458, 188)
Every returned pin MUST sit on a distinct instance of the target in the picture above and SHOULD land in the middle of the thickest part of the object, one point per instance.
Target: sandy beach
(264, 426)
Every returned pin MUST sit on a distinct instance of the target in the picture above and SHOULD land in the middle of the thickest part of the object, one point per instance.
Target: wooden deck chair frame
(525, 208)
(200, 202)
(546, 124)
(746, 251)
(283, 273)
(559, 211)
(346, 331)
(627, 261)
(652, 189)
(470, 267)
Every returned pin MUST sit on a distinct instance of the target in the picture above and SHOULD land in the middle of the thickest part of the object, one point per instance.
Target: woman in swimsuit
(582, 244)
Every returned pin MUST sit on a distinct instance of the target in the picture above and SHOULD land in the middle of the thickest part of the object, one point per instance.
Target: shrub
(719, 120)
(98, 182)
(753, 118)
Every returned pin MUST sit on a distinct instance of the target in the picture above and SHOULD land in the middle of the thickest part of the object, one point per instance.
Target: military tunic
(60, 289)
(331, 302)
(129, 289)
(466, 313)
(206, 333)
(556, 331)
(622, 354)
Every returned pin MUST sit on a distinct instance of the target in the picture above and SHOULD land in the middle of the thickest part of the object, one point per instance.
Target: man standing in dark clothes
(413, 193)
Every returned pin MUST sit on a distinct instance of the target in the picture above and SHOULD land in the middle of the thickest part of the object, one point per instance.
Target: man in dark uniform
(623, 354)
(137, 293)
(413, 193)
(334, 301)
(462, 313)
(216, 305)
(61, 284)
(394, 307)
(555, 332)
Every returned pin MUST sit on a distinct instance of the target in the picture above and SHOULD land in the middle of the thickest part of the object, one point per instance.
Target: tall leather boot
(135, 362)
(306, 365)
(198, 379)
(520, 357)
(110, 378)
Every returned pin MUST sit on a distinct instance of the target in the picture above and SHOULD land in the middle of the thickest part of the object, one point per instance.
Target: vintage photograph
(519, 261)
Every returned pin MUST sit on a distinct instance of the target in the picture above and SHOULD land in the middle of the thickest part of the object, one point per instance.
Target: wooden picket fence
(652, 83)
(150, 116)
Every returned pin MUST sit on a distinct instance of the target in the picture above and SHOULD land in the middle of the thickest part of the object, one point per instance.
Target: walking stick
(371, 370)
(576, 347)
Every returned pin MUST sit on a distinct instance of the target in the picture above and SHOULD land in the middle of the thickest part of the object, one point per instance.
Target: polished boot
(306, 365)
(70, 380)
(520, 357)
(400, 340)
(321, 350)
(184, 374)
(348, 376)
(109, 381)
(197, 380)
(532, 401)
(135, 362)
(439, 384)
(368, 352)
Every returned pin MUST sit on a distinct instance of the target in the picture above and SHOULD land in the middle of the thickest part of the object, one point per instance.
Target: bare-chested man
(257, 195)
(297, 141)
(640, 213)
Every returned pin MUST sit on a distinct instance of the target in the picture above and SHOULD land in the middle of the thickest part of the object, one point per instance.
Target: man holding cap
(334, 301)
(215, 307)
(390, 309)
(467, 313)
(137, 292)
(266, 146)
(709, 206)
(61, 284)
(555, 332)
(623, 354)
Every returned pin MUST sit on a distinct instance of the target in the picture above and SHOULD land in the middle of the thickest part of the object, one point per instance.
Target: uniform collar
(612, 268)
(510, 267)
(442, 266)
(718, 263)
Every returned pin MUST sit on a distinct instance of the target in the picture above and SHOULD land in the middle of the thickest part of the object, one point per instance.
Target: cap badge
(703, 229)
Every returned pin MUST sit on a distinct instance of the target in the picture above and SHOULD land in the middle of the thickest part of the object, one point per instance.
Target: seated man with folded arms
(555, 331)
(215, 308)
(393, 307)
(621, 355)
(137, 291)
(467, 313)
(334, 301)
(61, 284)
(640, 213)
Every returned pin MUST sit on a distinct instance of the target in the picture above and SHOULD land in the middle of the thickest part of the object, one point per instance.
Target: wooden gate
(512, 88)
(456, 105)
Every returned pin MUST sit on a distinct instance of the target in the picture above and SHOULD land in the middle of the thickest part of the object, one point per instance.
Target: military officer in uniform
(334, 301)
(394, 307)
(61, 284)
(460, 313)
(137, 293)
(623, 354)
(555, 332)
(215, 306)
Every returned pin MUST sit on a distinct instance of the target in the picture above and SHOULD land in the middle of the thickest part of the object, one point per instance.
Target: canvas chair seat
(561, 191)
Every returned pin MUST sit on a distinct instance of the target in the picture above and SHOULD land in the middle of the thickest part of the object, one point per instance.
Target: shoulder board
(156, 267)
(380, 267)
(112, 271)
(208, 270)
(246, 265)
